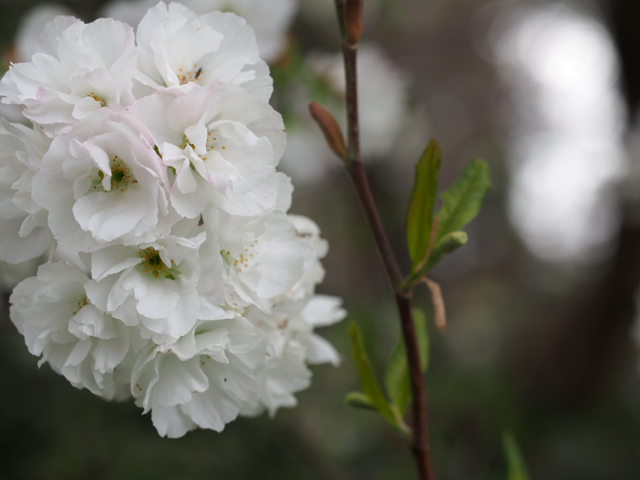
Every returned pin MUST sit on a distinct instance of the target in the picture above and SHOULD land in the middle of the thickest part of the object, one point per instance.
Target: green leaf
(396, 377)
(367, 377)
(359, 400)
(423, 198)
(517, 469)
(463, 199)
(447, 244)
(420, 322)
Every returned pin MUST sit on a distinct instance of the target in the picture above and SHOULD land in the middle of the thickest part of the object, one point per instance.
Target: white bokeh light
(566, 141)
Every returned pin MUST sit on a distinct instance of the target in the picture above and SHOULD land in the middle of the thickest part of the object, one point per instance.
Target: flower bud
(330, 128)
(353, 22)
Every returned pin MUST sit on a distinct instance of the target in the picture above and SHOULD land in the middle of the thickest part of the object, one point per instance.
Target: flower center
(98, 99)
(215, 141)
(193, 75)
(245, 260)
(153, 265)
(81, 303)
(121, 176)
(186, 142)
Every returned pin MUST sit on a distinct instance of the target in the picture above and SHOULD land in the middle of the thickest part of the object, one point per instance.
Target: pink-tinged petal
(84, 107)
(152, 112)
(187, 110)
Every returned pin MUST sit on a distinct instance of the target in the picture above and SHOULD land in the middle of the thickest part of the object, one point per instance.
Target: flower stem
(357, 172)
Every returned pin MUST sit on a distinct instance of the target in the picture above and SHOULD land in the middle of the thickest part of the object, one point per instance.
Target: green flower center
(153, 265)
(121, 177)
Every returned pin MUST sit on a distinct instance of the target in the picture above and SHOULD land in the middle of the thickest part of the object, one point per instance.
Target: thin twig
(356, 170)
(419, 422)
(353, 127)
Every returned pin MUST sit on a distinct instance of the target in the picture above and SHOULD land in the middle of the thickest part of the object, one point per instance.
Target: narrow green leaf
(420, 322)
(396, 378)
(516, 467)
(367, 377)
(447, 244)
(423, 198)
(359, 400)
(463, 199)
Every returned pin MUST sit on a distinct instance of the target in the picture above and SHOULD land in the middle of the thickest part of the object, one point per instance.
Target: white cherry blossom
(205, 379)
(24, 233)
(292, 344)
(178, 47)
(270, 20)
(78, 68)
(174, 274)
(77, 339)
(156, 286)
(102, 182)
(262, 257)
(222, 144)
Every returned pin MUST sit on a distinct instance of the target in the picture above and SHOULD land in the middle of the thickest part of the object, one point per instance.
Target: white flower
(102, 182)
(72, 335)
(156, 285)
(309, 233)
(78, 69)
(320, 311)
(177, 47)
(280, 378)
(292, 345)
(262, 257)
(222, 144)
(174, 273)
(205, 379)
(270, 20)
(24, 234)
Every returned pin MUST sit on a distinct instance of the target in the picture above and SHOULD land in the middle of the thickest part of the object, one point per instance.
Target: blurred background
(542, 335)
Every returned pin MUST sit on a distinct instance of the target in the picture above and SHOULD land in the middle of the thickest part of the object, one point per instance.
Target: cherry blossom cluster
(175, 275)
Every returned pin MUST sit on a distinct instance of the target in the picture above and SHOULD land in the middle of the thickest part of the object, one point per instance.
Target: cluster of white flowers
(149, 178)
(270, 19)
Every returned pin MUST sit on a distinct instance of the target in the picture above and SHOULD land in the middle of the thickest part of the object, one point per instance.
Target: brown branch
(353, 127)
(356, 170)
(420, 445)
